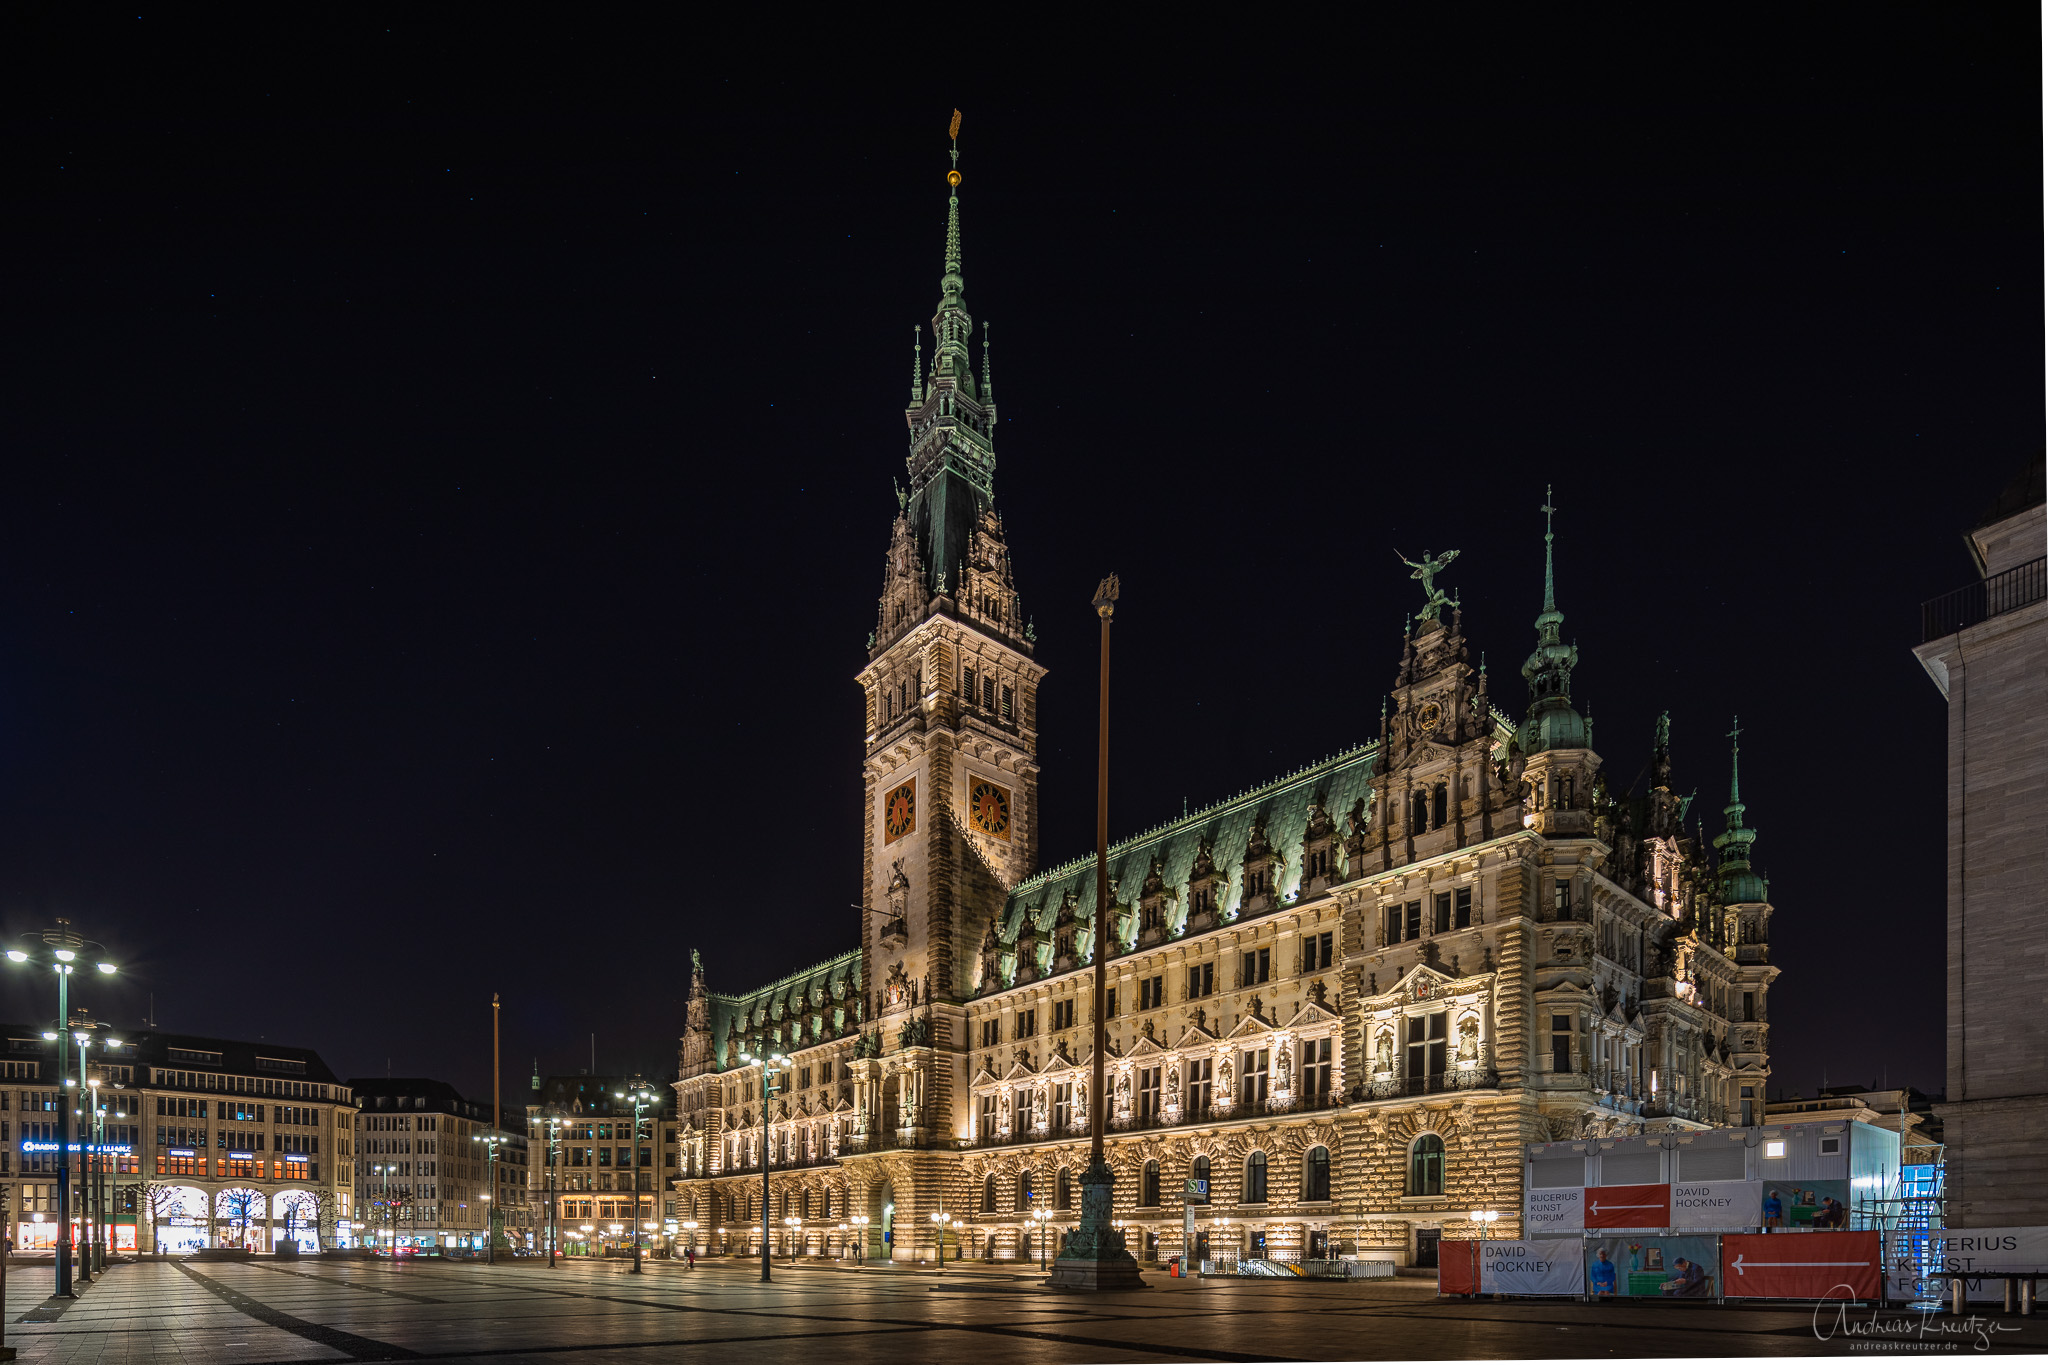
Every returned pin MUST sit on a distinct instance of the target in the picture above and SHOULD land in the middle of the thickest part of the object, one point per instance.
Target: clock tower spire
(951, 740)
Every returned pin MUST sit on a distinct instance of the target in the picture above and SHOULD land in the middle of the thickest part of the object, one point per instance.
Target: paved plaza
(321, 1310)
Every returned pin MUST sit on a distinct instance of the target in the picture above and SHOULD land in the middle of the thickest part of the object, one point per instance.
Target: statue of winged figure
(1434, 598)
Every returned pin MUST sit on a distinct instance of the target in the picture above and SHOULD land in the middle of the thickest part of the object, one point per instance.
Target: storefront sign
(115, 1148)
(1554, 1210)
(1813, 1265)
(1628, 1206)
(1533, 1268)
(181, 1151)
(1717, 1205)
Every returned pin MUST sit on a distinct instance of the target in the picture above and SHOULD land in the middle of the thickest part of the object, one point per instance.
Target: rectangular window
(1027, 1023)
(1148, 1092)
(1063, 1106)
(1561, 1043)
(1201, 980)
(1315, 1068)
(1563, 894)
(1152, 993)
(1393, 926)
(1257, 968)
(1252, 1091)
(1749, 1007)
(1109, 1003)
(1316, 950)
(1440, 920)
(988, 694)
(1442, 806)
(991, 1032)
(1009, 703)
(1461, 913)
(1201, 1080)
(824, 1078)
(1428, 1049)
(969, 688)
(1414, 909)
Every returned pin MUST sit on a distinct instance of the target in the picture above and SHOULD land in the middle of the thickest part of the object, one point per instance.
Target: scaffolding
(1911, 1222)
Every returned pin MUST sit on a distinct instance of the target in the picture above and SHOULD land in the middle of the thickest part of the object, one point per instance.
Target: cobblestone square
(242, 1313)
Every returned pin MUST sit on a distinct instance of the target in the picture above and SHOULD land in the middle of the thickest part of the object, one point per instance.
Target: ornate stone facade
(1344, 999)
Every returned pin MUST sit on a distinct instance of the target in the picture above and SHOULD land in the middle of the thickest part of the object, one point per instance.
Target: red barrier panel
(1628, 1206)
(1457, 1267)
(1801, 1265)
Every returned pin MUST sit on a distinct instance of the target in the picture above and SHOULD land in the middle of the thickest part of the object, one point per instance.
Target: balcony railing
(1139, 1123)
(2019, 586)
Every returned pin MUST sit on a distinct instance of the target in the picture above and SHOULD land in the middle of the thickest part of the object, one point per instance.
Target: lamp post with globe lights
(62, 949)
(643, 1098)
(860, 1223)
(770, 1065)
(493, 1218)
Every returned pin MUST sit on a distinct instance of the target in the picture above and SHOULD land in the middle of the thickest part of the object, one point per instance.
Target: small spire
(1735, 765)
(988, 383)
(916, 365)
(1549, 578)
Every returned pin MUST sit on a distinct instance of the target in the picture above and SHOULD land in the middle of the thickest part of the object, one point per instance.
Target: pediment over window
(1311, 1014)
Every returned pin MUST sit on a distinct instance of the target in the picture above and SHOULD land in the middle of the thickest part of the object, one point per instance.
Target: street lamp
(769, 1064)
(643, 1098)
(59, 948)
(587, 1231)
(860, 1223)
(491, 1141)
(1043, 1215)
(390, 1218)
(939, 1236)
(795, 1226)
(554, 1200)
(1485, 1218)
(690, 1231)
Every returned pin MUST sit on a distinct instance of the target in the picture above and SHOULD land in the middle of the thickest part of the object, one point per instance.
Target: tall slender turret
(1551, 721)
(1740, 884)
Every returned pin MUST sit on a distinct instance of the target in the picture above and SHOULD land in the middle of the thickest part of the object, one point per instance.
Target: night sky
(448, 473)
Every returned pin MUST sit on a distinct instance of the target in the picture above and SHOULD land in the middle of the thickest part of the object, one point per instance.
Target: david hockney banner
(1531, 1268)
(1717, 1205)
(1813, 1265)
(1554, 1210)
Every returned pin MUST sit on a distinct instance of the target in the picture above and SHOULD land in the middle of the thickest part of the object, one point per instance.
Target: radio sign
(104, 1148)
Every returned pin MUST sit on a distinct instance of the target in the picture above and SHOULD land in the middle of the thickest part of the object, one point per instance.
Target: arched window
(1064, 1188)
(804, 1209)
(988, 1194)
(1024, 1191)
(1148, 1187)
(1255, 1178)
(1201, 1173)
(1426, 1165)
(1315, 1174)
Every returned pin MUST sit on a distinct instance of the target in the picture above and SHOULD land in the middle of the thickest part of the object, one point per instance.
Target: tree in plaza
(242, 1209)
(159, 1203)
(316, 1207)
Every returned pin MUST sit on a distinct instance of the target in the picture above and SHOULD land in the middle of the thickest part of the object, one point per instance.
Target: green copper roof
(785, 1006)
(1551, 722)
(1740, 884)
(1336, 783)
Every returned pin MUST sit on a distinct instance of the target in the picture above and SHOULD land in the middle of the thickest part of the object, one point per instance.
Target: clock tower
(951, 743)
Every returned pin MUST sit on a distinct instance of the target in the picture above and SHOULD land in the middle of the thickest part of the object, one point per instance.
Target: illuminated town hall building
(1344, 999)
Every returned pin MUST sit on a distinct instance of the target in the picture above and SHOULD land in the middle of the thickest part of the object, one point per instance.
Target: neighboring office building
(581, 1124)
(242, 1139)
(1986, 647)
(1346, 998)
(440, 1192)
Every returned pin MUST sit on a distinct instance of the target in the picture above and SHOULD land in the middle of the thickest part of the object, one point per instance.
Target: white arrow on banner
(1803, 1265)
(1597, 1206)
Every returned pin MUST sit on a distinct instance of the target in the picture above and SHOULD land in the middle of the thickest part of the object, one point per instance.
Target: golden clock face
(1427, 718)
(899, 812)
(988, 806)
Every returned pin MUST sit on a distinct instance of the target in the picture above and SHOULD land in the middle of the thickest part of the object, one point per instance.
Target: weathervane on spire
(1433, 596)
(953, 132)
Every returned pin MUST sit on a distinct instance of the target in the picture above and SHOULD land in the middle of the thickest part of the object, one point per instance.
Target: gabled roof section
(1336, 783)
(835, 981)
